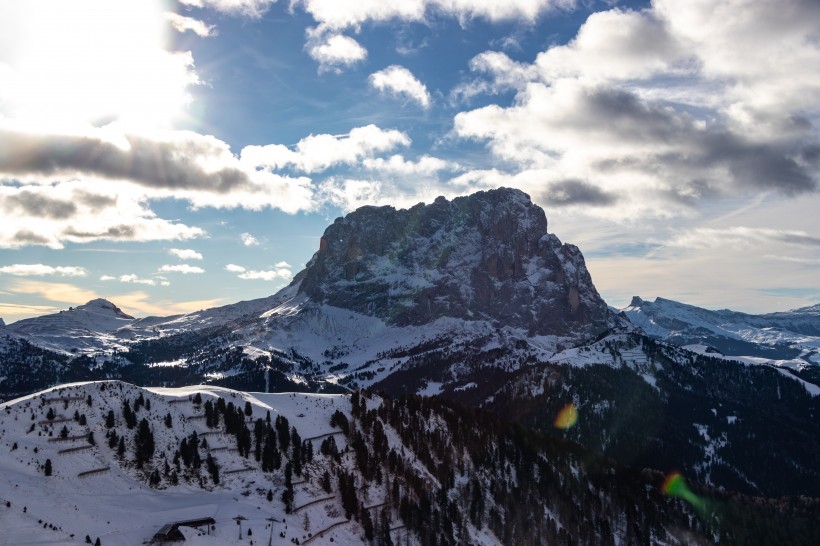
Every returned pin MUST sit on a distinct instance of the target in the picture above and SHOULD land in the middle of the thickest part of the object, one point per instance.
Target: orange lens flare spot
(674, 485)
(567, 417)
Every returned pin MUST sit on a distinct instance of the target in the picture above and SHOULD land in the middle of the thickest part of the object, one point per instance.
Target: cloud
(136, 280)
(185, 253)
(745, 237)
(398, 165)
(645, 155)
(333, 51)
(178, 160)
(793, 259)
(399, 81)
(17, 311)
(577, 192)
(29, 270)
(52, 291)
(182, 24)
(280, 271)
(141, 303)
(80, 212)
(660, 110)
(342, 14)
(319, 152)
(247, 8)
(181, 268)
(96, 185)
(249, 240)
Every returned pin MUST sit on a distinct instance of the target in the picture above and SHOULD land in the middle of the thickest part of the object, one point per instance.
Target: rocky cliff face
(486, 256)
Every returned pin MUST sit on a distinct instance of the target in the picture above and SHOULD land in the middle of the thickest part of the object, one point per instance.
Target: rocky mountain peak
(636, 302)
(104, 307)
(486, 256)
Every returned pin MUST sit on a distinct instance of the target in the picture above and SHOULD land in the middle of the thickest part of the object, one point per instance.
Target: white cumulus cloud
(181, 268)
(38, 270)
(249, 240)
(398, 81)
(281, 271)
(319, 152)
(333, 51)
(248, 8)
(185, 253)
(182, 24)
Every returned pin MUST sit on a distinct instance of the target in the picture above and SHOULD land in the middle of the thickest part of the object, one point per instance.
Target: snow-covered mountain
(474, 301)
(89, 327)
(790, 338)
(480, 272)
(115, 464)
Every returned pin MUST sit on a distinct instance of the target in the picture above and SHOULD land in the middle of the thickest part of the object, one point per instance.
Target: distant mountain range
(472, 300)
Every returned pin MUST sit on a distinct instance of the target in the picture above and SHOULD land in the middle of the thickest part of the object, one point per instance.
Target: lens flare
(567, 417)
(675, 486)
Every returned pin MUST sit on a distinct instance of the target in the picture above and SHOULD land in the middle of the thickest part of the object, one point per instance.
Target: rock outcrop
(487, 256)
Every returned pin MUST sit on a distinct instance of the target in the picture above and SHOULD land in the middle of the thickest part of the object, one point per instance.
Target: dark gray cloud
(121, 231)
(697, 151)
(39, 205)
(798, 239)
(27, 237)
(95, 201)
(577, 192)
(155, 164)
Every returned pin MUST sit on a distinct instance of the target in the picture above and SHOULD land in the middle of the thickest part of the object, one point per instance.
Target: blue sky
(172, 156)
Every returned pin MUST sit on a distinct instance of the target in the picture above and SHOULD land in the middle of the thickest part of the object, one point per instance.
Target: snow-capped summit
(86, 327)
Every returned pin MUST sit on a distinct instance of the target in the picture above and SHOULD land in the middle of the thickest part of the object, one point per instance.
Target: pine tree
(109, 419)
(213, 468)
(128, 415)
(47, 468)
(248, 408)
(143, 443)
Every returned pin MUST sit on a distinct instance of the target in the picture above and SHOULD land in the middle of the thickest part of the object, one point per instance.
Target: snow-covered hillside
(93, 491)
(329, 469)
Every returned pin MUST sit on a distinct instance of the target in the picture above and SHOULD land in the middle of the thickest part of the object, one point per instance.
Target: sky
(176, 155)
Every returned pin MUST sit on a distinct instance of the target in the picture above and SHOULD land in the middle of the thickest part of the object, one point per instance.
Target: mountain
(93, 326)
(486, 257)
(385, 286)
(790, 339)
(473, 301)
(121, 464)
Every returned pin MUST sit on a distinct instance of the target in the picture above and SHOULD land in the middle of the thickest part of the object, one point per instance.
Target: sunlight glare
(93, 62)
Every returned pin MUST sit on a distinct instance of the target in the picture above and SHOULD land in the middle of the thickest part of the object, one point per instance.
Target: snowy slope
(119, 506)
(104, 505)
